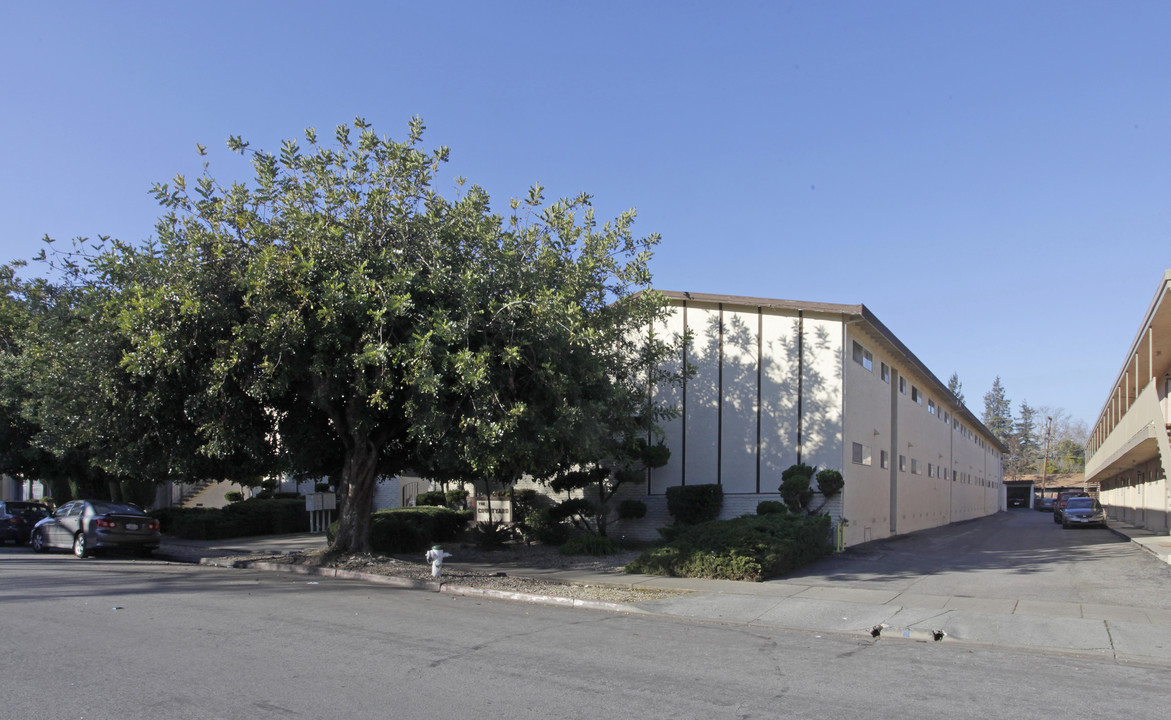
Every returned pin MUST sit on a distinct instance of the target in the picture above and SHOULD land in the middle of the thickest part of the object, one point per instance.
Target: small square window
(861, 455)
(916, 395)
(885, 369)
(931, 406)
(914, 466)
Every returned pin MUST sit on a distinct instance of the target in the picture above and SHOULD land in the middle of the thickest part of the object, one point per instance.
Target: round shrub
(830, 482)
(456, 499)
(693, 504)
(322, 487)
(770, 507)
(234, 496)
(631, 509)
(432, 498)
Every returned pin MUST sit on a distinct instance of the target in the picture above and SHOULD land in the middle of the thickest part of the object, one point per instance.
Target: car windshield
(1080, 504)
(101, 508)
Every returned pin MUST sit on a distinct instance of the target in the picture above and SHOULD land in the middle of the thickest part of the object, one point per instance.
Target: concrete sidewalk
(1107, 631)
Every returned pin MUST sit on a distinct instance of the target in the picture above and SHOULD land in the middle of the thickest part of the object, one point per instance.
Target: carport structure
(1128, 452)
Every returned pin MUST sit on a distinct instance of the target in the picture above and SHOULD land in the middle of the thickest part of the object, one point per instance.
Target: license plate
(131, 526)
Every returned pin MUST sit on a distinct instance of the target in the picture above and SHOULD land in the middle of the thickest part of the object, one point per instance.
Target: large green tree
(340, 316)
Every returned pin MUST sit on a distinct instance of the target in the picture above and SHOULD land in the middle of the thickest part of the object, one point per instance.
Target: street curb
(435, 586)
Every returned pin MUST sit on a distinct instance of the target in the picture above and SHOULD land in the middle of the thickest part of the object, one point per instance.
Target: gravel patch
(505, 559)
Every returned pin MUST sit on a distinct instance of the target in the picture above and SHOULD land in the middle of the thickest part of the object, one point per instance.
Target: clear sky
(992, 179)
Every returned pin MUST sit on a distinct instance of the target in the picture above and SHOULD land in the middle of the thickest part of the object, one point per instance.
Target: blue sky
(991, 179)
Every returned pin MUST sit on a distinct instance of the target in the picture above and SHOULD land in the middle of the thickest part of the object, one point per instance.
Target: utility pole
(1045, 462)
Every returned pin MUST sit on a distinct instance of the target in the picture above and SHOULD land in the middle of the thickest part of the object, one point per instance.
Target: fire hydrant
(435, 556)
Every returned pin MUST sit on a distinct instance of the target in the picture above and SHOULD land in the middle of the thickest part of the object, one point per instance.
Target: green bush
(631, 509)
(540, 526)
(241, 519)
(410, 529)
(771, 507)
(322, 487)
(830, 482)
(588, 545)
(456, 499)
(752, 547)
(802, 469)
(796, 493)
(693, 504)
(331, 532)
(234, 496)
(431, 498)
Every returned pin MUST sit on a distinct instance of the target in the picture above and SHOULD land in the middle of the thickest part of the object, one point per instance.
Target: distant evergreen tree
(1025, 437)
(956, 387)
(998, 413)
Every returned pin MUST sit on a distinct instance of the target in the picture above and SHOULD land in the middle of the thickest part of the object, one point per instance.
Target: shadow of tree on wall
(777, 398)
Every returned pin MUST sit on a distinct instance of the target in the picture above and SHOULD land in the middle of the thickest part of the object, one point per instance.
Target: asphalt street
(123, 638)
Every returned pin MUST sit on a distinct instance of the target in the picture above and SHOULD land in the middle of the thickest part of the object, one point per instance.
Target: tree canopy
(339, 316)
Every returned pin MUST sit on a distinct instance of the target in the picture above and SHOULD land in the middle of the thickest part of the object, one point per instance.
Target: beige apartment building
(779, 382)
(1127, 452)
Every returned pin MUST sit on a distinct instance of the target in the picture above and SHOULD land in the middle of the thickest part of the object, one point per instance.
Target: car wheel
(79, 547)
(37, 541)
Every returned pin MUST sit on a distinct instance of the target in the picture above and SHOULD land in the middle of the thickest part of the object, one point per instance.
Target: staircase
(188, 491)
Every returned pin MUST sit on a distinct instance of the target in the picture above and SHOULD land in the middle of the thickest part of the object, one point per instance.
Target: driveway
(1019, 554)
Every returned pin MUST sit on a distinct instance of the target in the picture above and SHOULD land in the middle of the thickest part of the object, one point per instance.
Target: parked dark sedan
(86, 526)
(1083, 511)
(17, 518)
(1044, 504)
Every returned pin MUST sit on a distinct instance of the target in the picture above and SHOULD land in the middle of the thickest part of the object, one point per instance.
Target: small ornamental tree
(795, 486)
(598, 485)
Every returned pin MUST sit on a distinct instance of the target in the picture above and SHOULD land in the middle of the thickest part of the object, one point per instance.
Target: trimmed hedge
(240, 519)
(411, 529)
(693, 504)
(752, 547)
(431, 498)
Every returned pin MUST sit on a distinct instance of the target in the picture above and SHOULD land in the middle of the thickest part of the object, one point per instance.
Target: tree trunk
(357, 488)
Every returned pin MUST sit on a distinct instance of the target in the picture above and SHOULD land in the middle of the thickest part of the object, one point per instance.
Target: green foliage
(656, 455)
(456, 499)
(752, 547)
(409, 529)
(595, 545)
(336, 315)
(796, 493)
(234, 496)
(574, 507)
(808, 471)
(431, 498)
(830, 482)
(631, 509)
(241, 519)
(692, 504)
(540, 526)
(771, 507)
(322, 487)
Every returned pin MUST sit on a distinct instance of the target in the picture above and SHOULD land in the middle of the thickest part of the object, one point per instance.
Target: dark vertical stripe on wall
(759, 379)
(683, 417)
(800, 377)
(720, 403)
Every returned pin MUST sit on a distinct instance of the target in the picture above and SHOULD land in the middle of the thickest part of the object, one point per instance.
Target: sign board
(320, 501)
(501, 511)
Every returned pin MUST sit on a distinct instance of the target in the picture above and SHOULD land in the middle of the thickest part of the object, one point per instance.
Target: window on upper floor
(902, 463)
(916, 395)
(902, 385)
(931, 406)
(861, 454)
(914, 466)
(885, 370)
(863, 357)
(883, 458)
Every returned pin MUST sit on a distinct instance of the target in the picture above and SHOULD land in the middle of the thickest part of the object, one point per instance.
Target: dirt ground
(512, 555)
